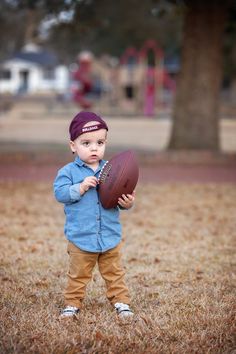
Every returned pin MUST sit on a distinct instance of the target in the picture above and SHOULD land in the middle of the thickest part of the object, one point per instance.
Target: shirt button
(98, 218)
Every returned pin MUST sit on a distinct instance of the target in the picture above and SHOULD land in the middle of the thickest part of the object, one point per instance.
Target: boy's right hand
(87, 183)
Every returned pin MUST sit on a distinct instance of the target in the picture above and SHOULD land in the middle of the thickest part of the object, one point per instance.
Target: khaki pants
(80, 272)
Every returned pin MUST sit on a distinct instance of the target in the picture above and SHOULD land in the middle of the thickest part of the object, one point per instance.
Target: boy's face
(90, 147)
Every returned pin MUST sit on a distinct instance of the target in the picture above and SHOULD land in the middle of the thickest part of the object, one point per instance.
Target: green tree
(20, 20)
(111, 26)
(105, 26)
(119, 24)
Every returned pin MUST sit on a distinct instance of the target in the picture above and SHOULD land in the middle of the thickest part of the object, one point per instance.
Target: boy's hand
(87, 183)
(127, 201)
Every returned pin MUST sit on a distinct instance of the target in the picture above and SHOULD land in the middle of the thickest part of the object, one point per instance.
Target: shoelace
(69, 311)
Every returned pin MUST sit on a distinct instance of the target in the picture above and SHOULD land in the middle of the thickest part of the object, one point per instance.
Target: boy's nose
(93, 147)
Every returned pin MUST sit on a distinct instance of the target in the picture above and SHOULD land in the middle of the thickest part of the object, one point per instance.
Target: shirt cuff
(75, 192)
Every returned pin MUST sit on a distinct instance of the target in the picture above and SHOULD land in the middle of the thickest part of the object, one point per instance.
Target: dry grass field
(179, 253)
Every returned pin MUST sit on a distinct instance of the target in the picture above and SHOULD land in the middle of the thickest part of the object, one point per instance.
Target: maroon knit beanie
(78, 122)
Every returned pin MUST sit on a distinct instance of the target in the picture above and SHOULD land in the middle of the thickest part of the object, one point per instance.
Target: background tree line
(203, 33)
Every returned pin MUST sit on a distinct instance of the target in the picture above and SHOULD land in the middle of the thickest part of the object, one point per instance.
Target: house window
(5, 74)
(49, 74)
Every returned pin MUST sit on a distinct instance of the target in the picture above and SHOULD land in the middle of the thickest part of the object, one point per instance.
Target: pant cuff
(123, 301)
(74, 304)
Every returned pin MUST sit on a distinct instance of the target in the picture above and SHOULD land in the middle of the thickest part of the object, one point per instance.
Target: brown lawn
(179, 253)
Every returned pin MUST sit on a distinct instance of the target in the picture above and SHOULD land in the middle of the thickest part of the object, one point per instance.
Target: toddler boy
(93, 233)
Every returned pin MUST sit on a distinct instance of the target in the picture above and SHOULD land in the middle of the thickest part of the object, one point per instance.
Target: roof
(42, 58)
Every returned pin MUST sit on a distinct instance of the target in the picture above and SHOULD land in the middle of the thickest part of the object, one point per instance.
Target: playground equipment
(139, 84)
(144, 77)
(82, 80)
(129, 62)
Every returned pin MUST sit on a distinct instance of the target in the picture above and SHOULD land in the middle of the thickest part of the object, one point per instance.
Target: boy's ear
(72, 146)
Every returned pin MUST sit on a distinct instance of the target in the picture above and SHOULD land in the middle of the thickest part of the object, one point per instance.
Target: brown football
(118, 176)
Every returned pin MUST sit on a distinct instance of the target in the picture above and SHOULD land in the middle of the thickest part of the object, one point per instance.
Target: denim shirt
(88, 225)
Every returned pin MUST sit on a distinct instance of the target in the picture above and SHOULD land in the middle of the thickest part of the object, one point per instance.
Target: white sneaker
(123, 310)
(69, 311)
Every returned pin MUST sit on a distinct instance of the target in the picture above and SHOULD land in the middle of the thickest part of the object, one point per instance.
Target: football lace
(104, 172)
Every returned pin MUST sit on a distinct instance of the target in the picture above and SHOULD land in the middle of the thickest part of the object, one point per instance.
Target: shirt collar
(81, 163)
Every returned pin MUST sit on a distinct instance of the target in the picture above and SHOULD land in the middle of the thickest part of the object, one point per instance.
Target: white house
(33, 71)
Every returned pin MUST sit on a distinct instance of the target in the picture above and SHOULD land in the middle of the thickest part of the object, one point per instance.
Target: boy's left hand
(126, 201)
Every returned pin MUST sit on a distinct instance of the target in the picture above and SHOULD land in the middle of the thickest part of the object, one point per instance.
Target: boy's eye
(85, 143)
(100, 142)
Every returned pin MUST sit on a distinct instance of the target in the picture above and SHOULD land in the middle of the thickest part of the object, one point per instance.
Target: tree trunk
(31, 26)
(196, 109)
